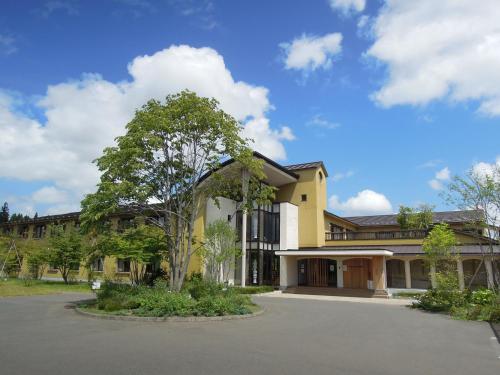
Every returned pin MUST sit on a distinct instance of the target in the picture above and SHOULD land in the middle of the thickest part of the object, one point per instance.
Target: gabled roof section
(313, 164)
(258, 155)
(438, 217)
(340, 218)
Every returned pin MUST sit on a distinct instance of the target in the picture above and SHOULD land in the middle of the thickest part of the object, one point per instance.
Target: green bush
(440, 300)
(197, 298)
(199, 288)
(254, 289)
(483, 297)
(231, 304)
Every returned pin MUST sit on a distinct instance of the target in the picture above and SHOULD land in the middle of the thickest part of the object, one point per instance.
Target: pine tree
(4, 213)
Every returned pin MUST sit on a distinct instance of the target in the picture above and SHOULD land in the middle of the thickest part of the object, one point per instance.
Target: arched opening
(395, 269)
(475, 267)
(419, 272)
(317, 272)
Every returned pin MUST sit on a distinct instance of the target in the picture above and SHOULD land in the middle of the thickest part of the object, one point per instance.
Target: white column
(340, 274)
(489, 273)
(288, 272)
(460, 271)
(407, 274)
(433, 275)
(244, 186)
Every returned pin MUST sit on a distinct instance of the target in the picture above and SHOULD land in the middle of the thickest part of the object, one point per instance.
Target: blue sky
(394, 97)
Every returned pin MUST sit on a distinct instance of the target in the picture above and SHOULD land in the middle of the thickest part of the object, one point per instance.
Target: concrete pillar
(433, 275)
(244, 186)
(340, 274)
(288, 272)
(379, 276)
(407, 274)
(489, 273)
(460, 271)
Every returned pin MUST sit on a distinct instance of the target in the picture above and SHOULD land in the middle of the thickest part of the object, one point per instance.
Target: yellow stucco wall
(311, 212)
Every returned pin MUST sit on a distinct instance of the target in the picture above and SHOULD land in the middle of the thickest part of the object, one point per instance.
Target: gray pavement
(294, 336)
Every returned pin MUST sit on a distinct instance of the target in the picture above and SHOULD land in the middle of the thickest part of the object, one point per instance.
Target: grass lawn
(17, 287)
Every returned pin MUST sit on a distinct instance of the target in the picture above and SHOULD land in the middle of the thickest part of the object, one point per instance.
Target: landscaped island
(197, 298)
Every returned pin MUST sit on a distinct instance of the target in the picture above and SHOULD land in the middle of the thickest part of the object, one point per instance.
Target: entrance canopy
(342, 253)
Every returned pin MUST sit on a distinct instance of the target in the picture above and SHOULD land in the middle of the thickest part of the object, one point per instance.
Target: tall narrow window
(303, 197)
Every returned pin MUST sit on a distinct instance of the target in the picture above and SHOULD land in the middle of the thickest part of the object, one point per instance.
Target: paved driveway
(38, 336)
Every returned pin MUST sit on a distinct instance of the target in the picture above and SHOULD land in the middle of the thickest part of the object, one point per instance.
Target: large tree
(156, 171)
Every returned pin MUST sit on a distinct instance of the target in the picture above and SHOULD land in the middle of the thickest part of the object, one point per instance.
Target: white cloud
(348, 6)
(439, 49)
(483, 169)
(366, 202)
(7, 44)
(84, 116)
(442, 175)
(342, 175)
(309, 52)
(51, 6)
(49, 194)
(436, 184)
(430, 163)
(320, 122)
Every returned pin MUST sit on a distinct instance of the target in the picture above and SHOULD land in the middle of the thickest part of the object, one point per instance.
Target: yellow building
(295, 243)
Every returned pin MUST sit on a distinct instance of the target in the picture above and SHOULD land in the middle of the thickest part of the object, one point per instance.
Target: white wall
(289, 226)
(227, 207)
(288, 271)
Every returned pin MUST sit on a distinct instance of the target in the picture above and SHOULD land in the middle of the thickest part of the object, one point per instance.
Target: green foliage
(167, 149)
(4, 213)
(230, 304)
(253, 289)
(219, 250)
(481, 305)
(159, 302)
(198, 288)
(483, 297)
(420, 218)
(197, 298)
(141, 244)
(439, 243)
(66, 249)
(37, 258)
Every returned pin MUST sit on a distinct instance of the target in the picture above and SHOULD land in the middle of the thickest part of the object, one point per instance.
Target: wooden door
(357, 273)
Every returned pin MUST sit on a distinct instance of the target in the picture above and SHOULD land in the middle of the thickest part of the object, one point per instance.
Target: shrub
(231, 304)
(158, 302)
(440, 300)
(199, 288)
(197, 298)
(483, 297)
(254, 289)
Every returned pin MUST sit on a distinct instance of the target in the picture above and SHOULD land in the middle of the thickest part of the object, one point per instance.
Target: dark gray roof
(445, 216)
(409, 249)
(313, 164)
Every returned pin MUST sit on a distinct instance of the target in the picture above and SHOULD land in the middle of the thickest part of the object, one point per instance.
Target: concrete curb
(78, 310)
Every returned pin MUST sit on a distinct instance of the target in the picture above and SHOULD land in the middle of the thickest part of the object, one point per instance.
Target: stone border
(164, 319)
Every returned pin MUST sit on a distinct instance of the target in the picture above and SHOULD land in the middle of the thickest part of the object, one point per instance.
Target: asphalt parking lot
(293, 336)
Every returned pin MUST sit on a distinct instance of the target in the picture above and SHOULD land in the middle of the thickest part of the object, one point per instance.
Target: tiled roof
(313, 164)
(445, 216)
